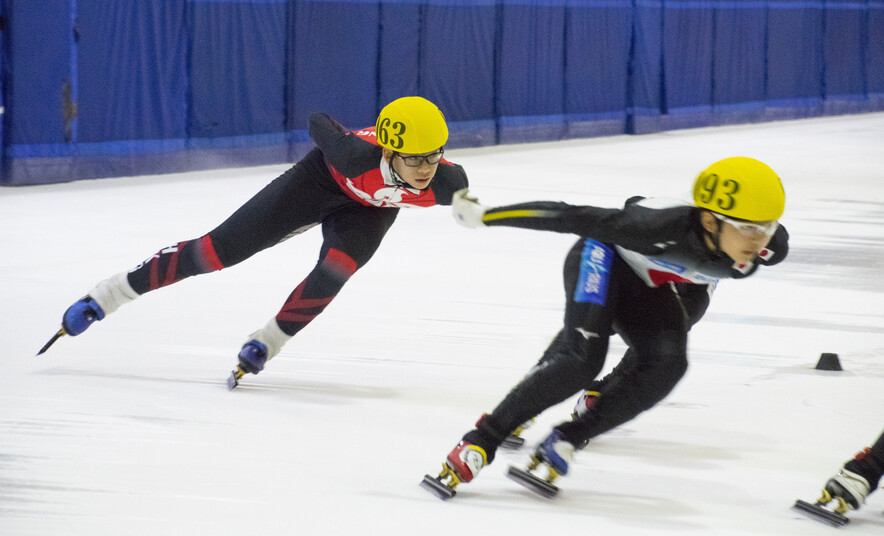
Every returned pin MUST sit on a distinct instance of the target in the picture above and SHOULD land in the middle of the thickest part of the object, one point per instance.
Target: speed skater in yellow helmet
(742, 200)
(411, 125)
(741, 187)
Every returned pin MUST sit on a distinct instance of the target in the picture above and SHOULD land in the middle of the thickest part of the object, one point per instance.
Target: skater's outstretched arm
(636, 227)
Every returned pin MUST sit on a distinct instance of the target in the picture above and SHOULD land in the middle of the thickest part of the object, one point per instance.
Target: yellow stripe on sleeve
(507, 214)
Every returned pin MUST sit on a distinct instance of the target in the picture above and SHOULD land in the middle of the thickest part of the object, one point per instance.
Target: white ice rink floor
(130, 429)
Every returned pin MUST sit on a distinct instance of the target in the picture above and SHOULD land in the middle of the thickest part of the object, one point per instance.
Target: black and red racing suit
(344, 185)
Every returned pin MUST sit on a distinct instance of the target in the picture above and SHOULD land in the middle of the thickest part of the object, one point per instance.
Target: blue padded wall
(457, 67)
(399, 43)
(530, 75)
(844, 41)
(598, 44)
(98, 89)
(688, 39)
(38, 55)
(3, 60)
(874, 55)
(237, 86)
(738, 64)
(333, 65)
(645, 90)
(131, 86)
(795, 59)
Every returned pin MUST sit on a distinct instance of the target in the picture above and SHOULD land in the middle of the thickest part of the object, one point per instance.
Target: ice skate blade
(513, 442)
(61, 333)
(437, 488)
(533, 483)
(233, 379)
(819, 513)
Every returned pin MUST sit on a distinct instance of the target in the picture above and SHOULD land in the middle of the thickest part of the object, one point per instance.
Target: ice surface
(129, 428)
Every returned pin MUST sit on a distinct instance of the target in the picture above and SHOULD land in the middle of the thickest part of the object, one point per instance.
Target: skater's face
(742, 245)
(416, 176)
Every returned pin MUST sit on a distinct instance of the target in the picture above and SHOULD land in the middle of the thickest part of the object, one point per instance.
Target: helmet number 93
(723, 192)
(391, 133)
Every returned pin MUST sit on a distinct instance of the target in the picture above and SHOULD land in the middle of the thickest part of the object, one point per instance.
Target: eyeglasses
(416, 160)
(750, 229)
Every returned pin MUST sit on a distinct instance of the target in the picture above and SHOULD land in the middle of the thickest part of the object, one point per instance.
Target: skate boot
(252, 358)
(262, 346)
(555, 453)
(81, 315)
(515, 440)
(462, 465)
(848, 488)
(587, 401)
(104, 299)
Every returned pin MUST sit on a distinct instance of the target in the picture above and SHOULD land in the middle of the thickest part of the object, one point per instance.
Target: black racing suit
(342, 185)
(643, 272)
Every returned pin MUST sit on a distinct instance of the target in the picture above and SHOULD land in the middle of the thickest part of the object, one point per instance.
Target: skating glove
(466, 209)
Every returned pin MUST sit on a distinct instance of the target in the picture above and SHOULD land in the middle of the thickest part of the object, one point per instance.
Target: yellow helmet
(742, 188)
(411, 125)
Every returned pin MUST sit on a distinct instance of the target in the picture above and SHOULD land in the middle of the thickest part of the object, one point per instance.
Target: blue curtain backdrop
(598, 44)
(98, 89)
(2, 77)
(530, 96)
(739, 60)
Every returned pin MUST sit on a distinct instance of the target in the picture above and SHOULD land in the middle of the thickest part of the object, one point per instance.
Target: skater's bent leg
(641, 380)
(317, 290)
(547, 385)
(351, 237)
(304, 304)
(570, 363)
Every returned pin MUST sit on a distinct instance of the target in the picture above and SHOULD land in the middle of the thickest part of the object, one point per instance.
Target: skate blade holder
(819, 512)
(235, 376)
(525, 477)
(436, 486)
(513, 442)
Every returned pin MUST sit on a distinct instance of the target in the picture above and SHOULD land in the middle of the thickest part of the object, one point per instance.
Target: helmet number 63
(391, 133)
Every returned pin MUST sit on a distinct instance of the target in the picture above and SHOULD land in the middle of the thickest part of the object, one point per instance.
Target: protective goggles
(418, 159)
(750, 229)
